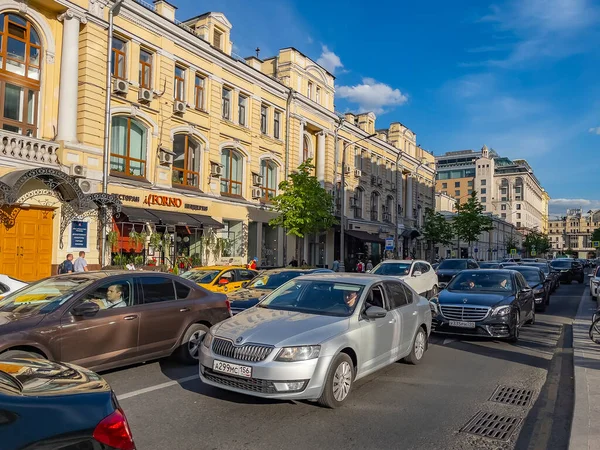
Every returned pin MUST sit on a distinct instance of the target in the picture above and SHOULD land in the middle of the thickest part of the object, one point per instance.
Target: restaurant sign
(161, 200)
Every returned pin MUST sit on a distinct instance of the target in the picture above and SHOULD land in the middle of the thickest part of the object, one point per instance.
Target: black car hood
(474, 298)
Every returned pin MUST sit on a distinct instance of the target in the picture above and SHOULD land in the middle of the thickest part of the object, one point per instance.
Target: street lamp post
(342, 267)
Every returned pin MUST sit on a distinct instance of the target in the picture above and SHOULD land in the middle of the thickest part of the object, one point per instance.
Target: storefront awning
(169, 218)
(364, 236)
(138, 214)
(411, 233)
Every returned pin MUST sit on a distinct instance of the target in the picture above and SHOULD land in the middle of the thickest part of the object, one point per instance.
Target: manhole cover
(492, 426)
(512, 396)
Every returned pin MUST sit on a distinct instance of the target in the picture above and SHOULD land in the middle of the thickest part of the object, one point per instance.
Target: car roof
(523, 267)
(479, 271)
(406, 261)
(217, 267)
(354, 278)
(292, 269)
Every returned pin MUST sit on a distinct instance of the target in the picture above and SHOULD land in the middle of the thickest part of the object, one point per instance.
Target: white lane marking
(156, 387)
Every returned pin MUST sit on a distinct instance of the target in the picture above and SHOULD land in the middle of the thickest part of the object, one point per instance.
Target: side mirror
(525, 290)
(223, 281)
(416, 273)
(375, 312)
(86, 309)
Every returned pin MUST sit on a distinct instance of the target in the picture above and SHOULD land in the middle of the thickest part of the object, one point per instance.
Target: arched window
(375, 206)
(305, 149)
(358, 203)
(186, 162)
(20, 63)
(268, 170)
(129, 141)
(231, 180)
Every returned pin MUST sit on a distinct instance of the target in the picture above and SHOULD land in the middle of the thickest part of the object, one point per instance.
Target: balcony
(28, 149)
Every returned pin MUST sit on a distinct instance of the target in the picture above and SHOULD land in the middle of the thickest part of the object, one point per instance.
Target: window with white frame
(268, 171)
(276, 124)
(264, 116)
(226, 103)
(242, 109)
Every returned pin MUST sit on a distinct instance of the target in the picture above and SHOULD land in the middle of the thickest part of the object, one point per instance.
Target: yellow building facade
(199, 141)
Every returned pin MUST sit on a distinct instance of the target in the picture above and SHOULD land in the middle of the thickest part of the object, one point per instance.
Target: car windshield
(44, 296)
(481, 282)
(532, 276)
(201, 276)
(392, 268)
(273, 280)
(327, 298)
(561, 263)
(452, 264)
(542, 266)
(489, 265)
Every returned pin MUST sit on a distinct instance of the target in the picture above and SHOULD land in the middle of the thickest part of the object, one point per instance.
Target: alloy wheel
(342, 379)
(194, 343)
(420, 344)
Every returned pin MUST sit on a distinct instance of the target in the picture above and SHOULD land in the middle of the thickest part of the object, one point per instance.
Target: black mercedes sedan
(551, 274)
(486, 302)
(50, 405)
(450, 267)
(263, 284)
(537, 280)
(569, 270)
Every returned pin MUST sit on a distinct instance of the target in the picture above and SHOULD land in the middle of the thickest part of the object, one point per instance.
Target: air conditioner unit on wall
(120, 86)
(216, 170)
(165, 158)
(86, 186)
(77, 171)
(145, 95)
(257, 180)
(256, 193)
(357, 173)
(348, 170)
(179, 107)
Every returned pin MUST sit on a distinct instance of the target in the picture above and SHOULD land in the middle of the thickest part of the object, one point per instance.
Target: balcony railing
(28, 149)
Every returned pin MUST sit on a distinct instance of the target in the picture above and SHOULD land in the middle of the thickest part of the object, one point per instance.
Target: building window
(457, 193)
(483, 199)
(470, 183)
(268, 170)
(503, 191)
(503, 215)
(518, 206)
(444, 185)
(218, 39)
(305, 149)
(264, 112)
(145, 69)
(484, 208)
(242, 105)
(503, 207)
(318, 95)
(518, 224)
(119, 58)
(310, 90)
(199, 92)
(358, 203)
(226, 103)
(483, 182)
(129, 140)
(470, 191)
(357, 158)
(484, 190)
(518, 215)
(276, 124)
(231, 181)
(186, 162)
(179, 84)
(375, 206)
(457, 184)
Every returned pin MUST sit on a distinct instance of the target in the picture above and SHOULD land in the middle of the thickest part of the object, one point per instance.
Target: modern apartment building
(573, 232)
(199, 140)
(456, 173)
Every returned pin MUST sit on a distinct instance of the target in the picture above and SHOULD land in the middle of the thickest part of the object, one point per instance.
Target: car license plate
(461, 324)
(232, 369)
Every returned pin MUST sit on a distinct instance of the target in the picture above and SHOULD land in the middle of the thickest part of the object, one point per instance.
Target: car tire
(514, 338)
(189, 349)
(339, 382)
(21, 354)
(419, 347)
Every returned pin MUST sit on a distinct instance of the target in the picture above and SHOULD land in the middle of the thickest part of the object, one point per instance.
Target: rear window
(393, 269)
(561, 264)
(453, 264)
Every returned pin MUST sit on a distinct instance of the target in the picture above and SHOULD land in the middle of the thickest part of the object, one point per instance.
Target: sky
(520, 76)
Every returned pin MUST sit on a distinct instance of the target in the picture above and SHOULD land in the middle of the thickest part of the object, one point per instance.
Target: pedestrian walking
(304, 263)
(67, 265)
(252, 264)
(360, 267)
(336, 266)
(293, 262)
(80, 264)
(369, 265)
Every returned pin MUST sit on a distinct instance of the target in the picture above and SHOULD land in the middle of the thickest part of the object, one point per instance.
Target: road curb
(585, 429)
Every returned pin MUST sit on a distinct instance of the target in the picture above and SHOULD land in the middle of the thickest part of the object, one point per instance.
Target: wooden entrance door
(26, 247)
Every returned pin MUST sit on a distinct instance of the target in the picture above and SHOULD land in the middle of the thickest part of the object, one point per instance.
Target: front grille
(247, 384)
(466, 313)
(247, 352)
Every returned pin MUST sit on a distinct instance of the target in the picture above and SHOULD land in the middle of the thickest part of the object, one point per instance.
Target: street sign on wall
(79, 234)
(596, 244)
(513, 251)
(389, 244)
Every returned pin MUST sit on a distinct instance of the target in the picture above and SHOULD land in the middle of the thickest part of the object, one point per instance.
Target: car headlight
(596, 282)
(433, 305)
(501, 311)
(208, 339)
(303, 353)
(538, 292)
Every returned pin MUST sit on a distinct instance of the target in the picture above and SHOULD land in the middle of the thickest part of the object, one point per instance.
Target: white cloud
(595, 130)
(559, 206)
(373, 96)
(329, 60)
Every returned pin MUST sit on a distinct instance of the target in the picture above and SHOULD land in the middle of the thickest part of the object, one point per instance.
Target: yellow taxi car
(223, 279)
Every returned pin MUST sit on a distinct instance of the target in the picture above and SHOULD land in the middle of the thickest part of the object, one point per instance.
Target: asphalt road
(402, 406)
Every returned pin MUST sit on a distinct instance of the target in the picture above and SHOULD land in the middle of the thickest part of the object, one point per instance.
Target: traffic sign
(476, 250)
(533, 253)
(596, 244)
(389, 244)
(513, 251)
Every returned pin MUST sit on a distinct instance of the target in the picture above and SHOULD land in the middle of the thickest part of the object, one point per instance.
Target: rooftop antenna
(257, 50)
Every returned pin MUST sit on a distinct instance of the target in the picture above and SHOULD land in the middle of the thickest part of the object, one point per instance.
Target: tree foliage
(537, 241)
(510, 244)
(436, 228)
(470, 221)
(596, 235)
(304, 206)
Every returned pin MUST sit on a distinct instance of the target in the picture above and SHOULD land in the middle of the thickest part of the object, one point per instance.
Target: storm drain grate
(492, 426)
(512, 396)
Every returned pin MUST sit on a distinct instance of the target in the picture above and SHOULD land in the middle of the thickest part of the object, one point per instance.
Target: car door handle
(184, 310)
(414, 313)
(130, 317)
(392, 321)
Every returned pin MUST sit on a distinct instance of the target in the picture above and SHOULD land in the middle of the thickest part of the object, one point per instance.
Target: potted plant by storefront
(112, 237)
(138, 238)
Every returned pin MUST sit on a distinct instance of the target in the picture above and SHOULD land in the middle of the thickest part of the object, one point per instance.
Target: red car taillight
(228, 303)
(114, 431)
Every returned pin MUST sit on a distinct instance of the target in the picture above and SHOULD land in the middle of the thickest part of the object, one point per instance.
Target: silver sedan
(313, 337)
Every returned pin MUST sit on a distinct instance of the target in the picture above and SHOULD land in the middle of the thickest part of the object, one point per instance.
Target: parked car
(106, 319)
(595, 283)
(569, 270)
(315, 336)
(265, 283)
(9, 285)
(223, 279)
(512, 260)
(549, 273)
(419, 275)
(489, 303)
(51, 405)
(450, 267)
(538, 282)
(490, 265)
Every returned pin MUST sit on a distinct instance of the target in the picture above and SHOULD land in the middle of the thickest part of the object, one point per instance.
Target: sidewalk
(585, 430)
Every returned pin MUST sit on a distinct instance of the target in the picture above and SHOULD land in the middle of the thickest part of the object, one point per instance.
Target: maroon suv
(102, 320)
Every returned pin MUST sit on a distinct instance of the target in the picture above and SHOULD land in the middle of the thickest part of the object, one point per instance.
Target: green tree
(596, 235)
(437, 230)
(510, 244)
(470, 221)
(538, 242)
(304, 206)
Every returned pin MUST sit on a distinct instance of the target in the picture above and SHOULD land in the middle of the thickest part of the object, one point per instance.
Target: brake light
(114, 431)
(228, 303)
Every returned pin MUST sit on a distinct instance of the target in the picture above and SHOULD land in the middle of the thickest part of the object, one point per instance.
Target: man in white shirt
(114, 297)
(80, 264)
